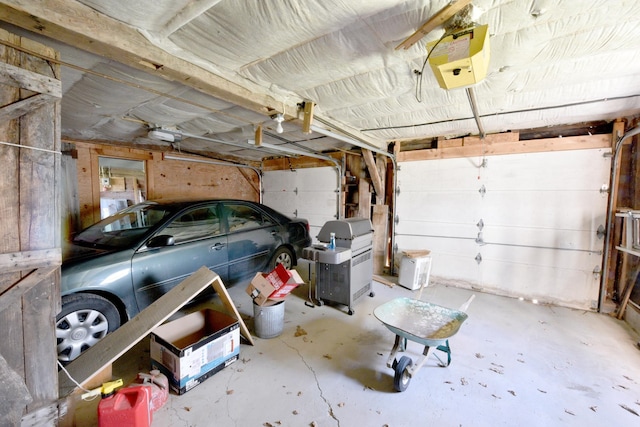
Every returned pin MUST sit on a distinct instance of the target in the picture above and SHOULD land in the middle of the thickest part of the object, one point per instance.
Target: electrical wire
(525, 110)
(419, 74)
(71, 378)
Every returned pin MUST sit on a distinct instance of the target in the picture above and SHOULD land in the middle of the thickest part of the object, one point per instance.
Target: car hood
(72, 253)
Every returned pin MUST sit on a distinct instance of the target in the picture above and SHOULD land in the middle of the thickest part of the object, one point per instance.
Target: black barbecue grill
(345, 273)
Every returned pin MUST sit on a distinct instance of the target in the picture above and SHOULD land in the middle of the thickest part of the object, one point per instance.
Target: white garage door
(304, 193)
(523, 225)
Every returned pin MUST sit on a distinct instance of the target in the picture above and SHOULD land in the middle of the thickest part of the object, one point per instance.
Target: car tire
(83, 321)
(282, 256)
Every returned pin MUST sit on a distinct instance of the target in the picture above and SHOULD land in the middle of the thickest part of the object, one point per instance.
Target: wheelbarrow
(428, 324)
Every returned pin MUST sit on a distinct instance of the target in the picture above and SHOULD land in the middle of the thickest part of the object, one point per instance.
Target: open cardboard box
(192, 348)
(269, 288)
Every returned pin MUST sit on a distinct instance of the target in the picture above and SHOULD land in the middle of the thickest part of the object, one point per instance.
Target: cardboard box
(194, 347)
(274, 286)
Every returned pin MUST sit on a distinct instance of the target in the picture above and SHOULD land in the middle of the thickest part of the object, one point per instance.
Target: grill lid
(345, 229)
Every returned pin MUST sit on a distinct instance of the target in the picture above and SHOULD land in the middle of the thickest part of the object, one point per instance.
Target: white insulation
(552, 62)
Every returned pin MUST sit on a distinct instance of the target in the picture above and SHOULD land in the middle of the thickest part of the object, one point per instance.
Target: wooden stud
(308, 117)
(258, 136)
(378, 185)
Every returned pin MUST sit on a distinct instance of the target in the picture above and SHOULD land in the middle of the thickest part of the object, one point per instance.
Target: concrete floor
(513, 362)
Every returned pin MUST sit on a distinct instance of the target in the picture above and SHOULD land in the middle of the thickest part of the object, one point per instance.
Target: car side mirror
(161, 241)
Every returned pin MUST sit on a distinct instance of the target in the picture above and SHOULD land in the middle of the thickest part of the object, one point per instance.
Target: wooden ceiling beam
(438, 19)
(82, 27)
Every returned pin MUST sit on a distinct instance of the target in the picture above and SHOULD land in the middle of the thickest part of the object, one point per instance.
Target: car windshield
(124, 228)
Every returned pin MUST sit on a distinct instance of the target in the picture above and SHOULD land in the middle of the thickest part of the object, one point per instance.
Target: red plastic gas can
(159, 385)
(128, 407)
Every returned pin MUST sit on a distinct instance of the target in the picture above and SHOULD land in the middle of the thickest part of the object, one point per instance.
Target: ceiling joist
(436, 20)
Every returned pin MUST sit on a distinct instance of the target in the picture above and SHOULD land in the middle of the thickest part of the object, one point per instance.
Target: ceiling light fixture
(279, 118)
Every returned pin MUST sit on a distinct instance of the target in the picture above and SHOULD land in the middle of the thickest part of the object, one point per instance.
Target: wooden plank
(383, 280)
(44, 416)
(628, 289)
(13, 295)
(436, 20)
(378, 186)
(15, 395)
(584, 142)
(494, 138)
(609, 275)
(248, 176)
(114, 345)
(9, 172)
(38, 324)
(28, 260)
(364, 199)
(231, 308)
(380, 221)
(24, 79)
(449, 143)
(80, 26)
(20, 108)
(293, 163)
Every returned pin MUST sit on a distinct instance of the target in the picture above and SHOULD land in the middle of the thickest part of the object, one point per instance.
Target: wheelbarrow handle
(466, 305)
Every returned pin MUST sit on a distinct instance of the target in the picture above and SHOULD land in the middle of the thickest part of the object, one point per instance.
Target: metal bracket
(295, 213)
(597, 271)
(398, 191)
(478, 258)
(604, 189)
(601, 231)
(396, 220)
(295, 190)
(483, 190)
(479, 239)
(480, 224)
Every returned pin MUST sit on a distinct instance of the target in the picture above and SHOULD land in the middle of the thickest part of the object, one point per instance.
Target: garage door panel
(544, 209)
(542, 171)
(584, 240)
(435, 229)
(439, 207)
(540, 214)
(318, 179)
(305, 193)
(449, 174)
(561, 259)
(317, 201)
(564, 286)
(276, 181)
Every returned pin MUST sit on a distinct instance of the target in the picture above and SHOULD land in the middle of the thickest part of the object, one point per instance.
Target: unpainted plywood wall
(166, 178)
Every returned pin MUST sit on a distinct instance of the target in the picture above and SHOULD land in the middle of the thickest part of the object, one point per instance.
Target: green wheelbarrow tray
(428, 324)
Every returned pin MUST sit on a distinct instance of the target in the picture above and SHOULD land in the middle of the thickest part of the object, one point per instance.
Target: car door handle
(218, 246)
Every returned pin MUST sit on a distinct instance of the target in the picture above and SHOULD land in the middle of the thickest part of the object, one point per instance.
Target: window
(198, 223)
(242, 217)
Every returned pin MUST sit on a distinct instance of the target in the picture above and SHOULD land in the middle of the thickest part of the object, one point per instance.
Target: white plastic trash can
(414, 271)
(268, 320)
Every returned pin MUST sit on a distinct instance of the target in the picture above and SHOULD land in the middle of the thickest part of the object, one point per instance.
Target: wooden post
(609, 274)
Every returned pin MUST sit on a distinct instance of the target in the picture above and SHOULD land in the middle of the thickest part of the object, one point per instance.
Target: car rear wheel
(84, 320)
(282, 256)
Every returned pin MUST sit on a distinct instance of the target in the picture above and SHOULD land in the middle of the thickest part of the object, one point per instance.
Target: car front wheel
(282, 256)
(84, 320)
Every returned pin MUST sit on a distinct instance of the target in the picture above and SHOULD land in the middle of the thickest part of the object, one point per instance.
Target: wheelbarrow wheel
(401, 379)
